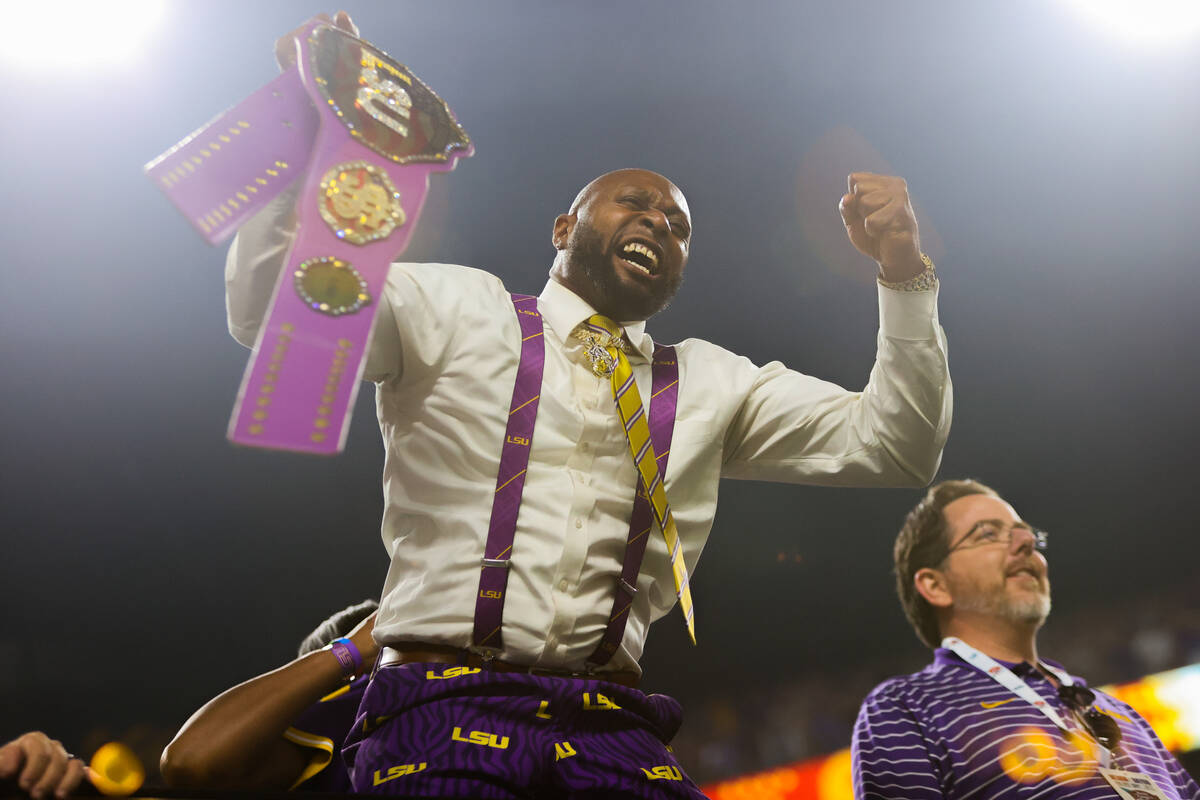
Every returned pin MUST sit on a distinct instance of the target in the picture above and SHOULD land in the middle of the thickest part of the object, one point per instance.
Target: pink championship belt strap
(366, 133)
(224, 173)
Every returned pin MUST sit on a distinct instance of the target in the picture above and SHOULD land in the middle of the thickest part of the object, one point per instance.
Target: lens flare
(72, 34)
(1159, 22)
(1029, 755)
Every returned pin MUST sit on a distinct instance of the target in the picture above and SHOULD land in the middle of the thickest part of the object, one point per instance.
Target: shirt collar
(565, 310)
(943, 657)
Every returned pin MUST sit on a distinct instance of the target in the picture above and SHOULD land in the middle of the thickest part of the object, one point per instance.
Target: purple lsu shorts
(437, 730)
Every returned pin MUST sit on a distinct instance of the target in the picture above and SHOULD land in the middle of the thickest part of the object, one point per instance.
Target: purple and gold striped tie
(605, 350)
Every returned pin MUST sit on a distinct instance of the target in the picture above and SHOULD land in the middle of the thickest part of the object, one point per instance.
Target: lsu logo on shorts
(398, 771)
(451, 672)
(664, 772)
(600, 703)
(480, 738)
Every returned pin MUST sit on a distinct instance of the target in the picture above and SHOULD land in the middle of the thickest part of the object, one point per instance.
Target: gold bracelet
(922, 282)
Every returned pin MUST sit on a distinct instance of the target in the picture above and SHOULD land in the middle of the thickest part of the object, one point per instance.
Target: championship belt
(366, 132)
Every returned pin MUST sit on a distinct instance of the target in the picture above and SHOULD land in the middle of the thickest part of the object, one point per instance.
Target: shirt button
(578, 523)
(562, 585)
(585, 447)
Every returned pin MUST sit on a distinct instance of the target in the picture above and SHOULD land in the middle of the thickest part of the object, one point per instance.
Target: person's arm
(793, 427)
(1184, 783)
(40, 765)
(235, 741)
(890, 756)
(260, 248)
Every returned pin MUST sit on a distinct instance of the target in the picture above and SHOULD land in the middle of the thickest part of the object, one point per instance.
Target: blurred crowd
(758, 727)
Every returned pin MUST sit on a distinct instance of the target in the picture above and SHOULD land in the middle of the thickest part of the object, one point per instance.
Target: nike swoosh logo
(995, 703)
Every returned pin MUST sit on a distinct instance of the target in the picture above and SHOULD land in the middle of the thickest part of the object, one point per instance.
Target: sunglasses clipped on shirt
(1082, 700)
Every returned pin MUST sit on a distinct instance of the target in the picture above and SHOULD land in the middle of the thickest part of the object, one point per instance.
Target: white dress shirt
(444, 358)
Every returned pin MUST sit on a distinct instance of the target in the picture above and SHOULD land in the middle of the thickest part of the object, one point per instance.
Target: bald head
(626, 173)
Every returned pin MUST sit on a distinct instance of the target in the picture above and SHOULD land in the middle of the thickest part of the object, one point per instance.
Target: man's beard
(588, 251)
(1026, 609)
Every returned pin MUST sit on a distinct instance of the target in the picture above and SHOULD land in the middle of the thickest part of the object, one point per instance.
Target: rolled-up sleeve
(253, 263)
(252, 268)
(796, 428)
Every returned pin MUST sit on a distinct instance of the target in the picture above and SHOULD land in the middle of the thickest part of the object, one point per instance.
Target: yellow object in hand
(116, 770)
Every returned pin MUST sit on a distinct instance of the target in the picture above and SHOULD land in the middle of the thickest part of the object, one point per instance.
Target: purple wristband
(347, 655)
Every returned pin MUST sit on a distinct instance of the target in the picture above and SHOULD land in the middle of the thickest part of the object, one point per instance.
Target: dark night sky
(148, 564)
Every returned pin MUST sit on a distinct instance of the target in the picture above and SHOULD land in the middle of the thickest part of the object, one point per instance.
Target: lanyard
(1008, 680)
(1005, 677)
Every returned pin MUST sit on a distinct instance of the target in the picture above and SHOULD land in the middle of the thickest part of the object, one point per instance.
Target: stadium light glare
(77, 34)
(1151, 22)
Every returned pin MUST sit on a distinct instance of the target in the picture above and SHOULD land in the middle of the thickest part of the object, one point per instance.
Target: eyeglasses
(991, 531)
(1103, 728)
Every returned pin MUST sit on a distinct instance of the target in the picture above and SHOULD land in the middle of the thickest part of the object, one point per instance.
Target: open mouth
(640, 257)
(1029, 571)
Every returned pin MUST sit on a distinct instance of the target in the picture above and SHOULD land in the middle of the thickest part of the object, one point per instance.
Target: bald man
(551, 478)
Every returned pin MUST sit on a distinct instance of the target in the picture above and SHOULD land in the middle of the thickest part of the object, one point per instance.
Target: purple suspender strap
(510, 484)
(510, 481)
(664, 398)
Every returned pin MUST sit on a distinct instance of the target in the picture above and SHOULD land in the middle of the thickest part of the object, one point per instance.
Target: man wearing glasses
(989, 718)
